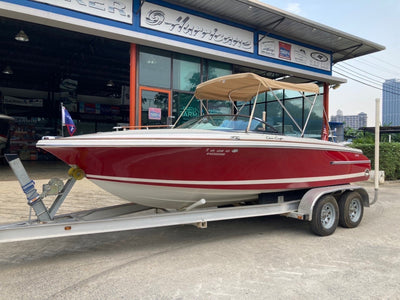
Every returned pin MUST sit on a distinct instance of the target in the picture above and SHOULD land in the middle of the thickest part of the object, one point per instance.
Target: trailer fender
(310, 198)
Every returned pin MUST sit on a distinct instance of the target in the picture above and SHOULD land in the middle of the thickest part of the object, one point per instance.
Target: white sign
(278, 49)
(120, 10)
(23, 102)
(186, 25)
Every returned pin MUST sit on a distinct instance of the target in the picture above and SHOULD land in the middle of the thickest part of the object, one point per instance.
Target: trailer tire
(325, 216)
(351, 209)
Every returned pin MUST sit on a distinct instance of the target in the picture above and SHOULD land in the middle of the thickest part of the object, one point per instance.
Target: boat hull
(176, 172)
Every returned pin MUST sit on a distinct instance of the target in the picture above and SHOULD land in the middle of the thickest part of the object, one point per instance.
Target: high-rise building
(391, 102)
(354, 121)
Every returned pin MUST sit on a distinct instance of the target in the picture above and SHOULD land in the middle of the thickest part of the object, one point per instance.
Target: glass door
(154, 106)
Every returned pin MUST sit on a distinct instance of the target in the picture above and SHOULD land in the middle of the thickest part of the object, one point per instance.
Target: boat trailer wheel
(325, 216)
(351, 209)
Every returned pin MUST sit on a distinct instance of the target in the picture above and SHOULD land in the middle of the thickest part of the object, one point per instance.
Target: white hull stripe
(227, 182)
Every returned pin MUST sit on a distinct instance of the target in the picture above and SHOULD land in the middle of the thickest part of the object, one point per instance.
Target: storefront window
(248, 106)
(217, 69)
(271, 96)
(219, 107)
(289, 94)
(295, 108)
(260, 107)
(314, 126)
(154, 68)
(180, 100)
(154, 108)
(243, 107)
(186, 72)
(274, 115)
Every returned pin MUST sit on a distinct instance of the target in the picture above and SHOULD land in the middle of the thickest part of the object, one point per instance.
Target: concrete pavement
(257, 258)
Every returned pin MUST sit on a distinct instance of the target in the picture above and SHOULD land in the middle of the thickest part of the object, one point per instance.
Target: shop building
(137, 62)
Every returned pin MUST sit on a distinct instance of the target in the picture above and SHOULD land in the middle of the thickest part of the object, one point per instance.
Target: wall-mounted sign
(23, 102)
(120, 10)
(275, 48)
(189, 26)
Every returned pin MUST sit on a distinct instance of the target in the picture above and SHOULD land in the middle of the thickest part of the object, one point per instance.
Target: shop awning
(271, 20)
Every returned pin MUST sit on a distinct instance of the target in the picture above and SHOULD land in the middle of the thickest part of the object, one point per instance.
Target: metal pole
(132, 87)
(377, 123)
(62, 119)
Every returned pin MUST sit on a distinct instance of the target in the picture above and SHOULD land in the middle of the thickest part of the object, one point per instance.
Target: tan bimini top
(244, 86)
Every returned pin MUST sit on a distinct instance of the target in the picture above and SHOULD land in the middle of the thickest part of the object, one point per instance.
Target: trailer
(324, 207)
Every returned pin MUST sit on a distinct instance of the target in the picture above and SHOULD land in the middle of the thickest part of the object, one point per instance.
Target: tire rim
(328, 215)
(355, 210)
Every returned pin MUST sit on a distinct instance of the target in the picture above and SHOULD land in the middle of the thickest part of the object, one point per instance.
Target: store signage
(189, 26)
(120, 10)
(23, 102)
(275, 48)
(154, 113)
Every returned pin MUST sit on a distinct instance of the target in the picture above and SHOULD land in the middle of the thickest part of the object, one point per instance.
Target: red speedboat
(223, 159)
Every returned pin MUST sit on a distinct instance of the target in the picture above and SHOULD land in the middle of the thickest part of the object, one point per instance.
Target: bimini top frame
(247, 86)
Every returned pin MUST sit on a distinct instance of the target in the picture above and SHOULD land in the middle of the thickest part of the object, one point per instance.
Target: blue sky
(376, 21)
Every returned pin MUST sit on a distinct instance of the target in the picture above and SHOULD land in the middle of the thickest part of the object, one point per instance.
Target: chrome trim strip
(350, 162)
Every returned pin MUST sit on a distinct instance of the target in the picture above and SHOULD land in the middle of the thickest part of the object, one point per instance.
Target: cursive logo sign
(177, 23)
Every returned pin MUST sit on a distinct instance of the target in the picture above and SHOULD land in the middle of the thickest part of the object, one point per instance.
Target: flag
(67, 121)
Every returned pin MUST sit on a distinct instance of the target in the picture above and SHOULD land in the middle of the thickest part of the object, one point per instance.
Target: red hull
(218, 168)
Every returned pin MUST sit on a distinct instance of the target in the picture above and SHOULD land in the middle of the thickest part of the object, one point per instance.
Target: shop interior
(42, 66)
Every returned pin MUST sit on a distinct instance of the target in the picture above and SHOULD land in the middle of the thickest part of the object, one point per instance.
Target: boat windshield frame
(228, 122)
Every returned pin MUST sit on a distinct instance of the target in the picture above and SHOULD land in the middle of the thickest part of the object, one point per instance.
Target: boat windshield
(228, 123)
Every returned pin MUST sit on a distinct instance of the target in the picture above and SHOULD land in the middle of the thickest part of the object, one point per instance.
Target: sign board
(154, 113)
(274, 48)
(23, 102)
(120, 10)
(179, 23)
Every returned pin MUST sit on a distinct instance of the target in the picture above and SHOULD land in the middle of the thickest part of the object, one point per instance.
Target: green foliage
(350, 133)
(368, 138)
(389, 157)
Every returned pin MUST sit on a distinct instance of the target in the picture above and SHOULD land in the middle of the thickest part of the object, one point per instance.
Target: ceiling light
(7, 70)
(110, 83)
(22, 36)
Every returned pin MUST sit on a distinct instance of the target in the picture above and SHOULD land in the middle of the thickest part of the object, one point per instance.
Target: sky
(376, 21)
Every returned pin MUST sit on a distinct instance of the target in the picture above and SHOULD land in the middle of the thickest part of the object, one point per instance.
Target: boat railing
(147, 127)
